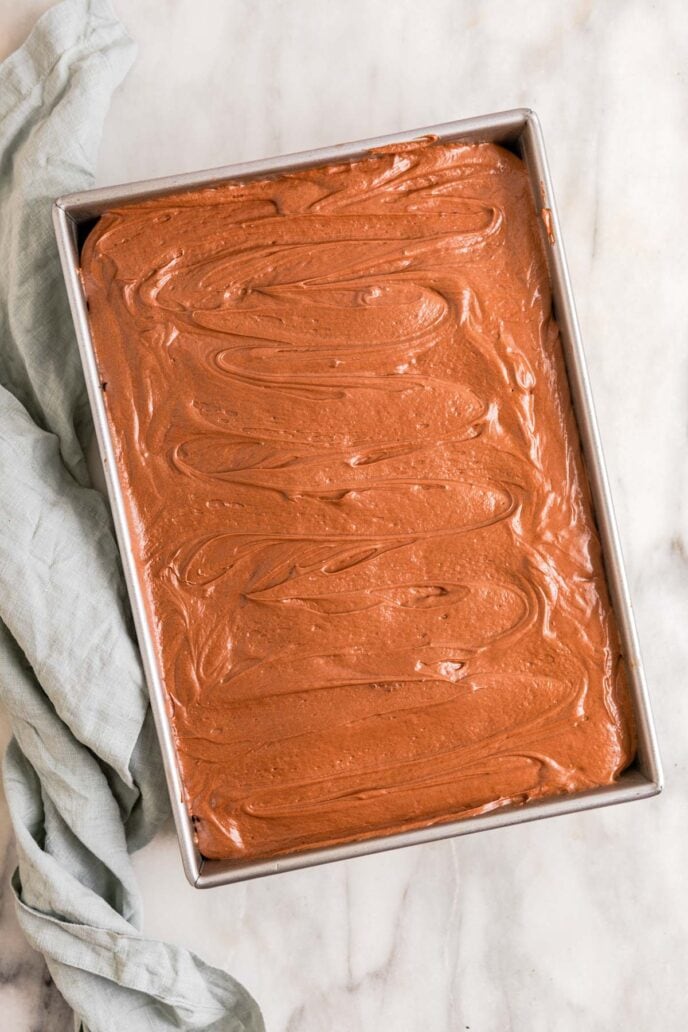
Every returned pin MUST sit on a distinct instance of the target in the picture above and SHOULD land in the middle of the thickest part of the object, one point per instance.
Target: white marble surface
(574, 925)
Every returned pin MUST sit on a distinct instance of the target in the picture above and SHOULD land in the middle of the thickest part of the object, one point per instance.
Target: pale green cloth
(82, 774)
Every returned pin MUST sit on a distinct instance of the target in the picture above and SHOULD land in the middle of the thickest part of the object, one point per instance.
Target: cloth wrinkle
(82, 774)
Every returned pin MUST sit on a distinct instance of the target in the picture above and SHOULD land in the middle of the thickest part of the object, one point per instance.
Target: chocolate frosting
(356, 497)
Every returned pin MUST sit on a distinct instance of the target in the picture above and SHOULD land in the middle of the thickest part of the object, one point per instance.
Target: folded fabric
(82, 774)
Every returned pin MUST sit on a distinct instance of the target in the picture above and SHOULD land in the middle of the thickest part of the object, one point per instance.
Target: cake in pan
(356, 497)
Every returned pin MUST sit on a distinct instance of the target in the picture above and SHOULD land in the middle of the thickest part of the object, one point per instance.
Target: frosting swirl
(356, 497)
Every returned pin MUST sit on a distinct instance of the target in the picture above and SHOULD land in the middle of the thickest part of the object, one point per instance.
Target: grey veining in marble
(574, 925)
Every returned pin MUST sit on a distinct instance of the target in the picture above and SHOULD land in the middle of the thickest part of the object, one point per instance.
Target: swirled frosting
(356, 497)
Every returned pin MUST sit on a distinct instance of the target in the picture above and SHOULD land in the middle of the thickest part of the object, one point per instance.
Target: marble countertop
(578, 924)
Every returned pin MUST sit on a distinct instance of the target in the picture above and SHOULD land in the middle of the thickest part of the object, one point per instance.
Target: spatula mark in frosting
(356, 497)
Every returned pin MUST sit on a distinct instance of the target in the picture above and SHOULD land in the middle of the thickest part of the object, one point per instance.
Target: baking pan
(519, 130)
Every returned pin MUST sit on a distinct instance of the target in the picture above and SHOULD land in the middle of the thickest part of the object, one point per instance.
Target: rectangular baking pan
(519, 130)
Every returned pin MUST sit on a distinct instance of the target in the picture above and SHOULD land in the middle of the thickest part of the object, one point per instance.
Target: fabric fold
(82, 774)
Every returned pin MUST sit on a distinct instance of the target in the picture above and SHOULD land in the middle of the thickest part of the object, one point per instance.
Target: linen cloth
(82, 773)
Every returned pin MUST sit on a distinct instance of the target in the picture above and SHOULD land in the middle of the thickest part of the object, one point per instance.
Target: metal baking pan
(519, 130)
